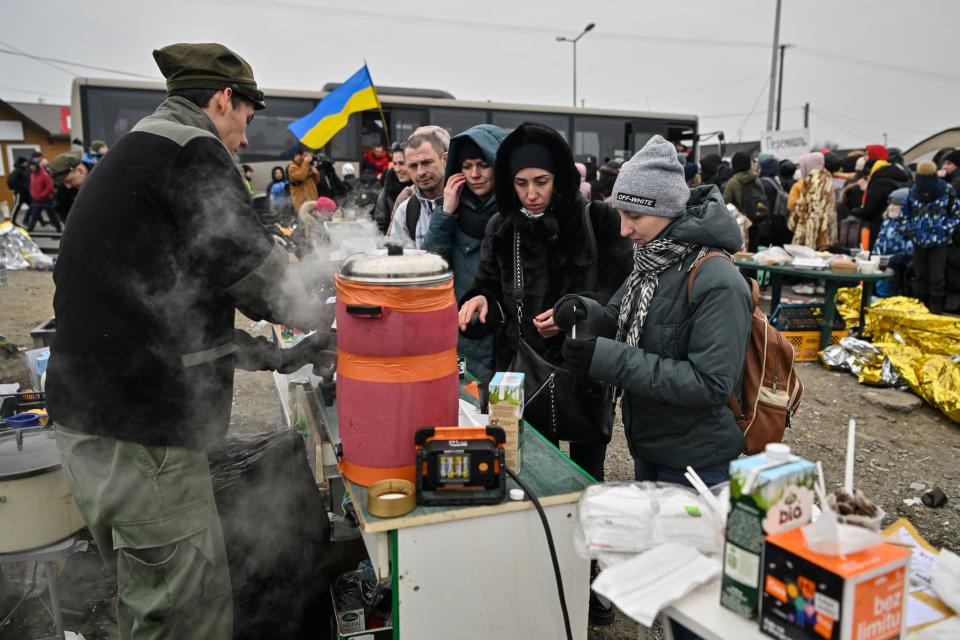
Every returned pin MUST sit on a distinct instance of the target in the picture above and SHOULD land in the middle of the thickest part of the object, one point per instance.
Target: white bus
(107, 109)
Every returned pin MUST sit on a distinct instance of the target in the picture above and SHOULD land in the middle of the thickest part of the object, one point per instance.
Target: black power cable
(553, 551)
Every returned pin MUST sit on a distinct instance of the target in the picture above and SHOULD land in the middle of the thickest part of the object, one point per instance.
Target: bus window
(642, 130)
(268, 134)
(371, 131)
(345, 144)
(457, 120)
(603, 138)
(404, 122)
(510, 120)
(111, 112)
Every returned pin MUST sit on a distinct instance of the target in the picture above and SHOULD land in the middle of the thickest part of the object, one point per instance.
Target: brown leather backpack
(771, 390)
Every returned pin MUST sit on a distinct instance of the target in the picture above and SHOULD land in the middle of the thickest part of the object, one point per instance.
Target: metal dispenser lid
(28, 452)
(396, 266)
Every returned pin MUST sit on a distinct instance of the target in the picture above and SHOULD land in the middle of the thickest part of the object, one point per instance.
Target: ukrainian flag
(356, 94)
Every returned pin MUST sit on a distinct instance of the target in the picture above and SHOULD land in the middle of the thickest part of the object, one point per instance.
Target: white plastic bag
(631, 517)
(773, 255)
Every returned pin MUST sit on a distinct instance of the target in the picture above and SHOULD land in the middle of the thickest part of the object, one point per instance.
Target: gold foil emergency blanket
(848, 305)
(906, 321)
(922, 347)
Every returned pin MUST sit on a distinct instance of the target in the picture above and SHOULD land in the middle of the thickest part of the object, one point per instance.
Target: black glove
(578, 354)
(313, 350)
(255, 354)
(568, 311)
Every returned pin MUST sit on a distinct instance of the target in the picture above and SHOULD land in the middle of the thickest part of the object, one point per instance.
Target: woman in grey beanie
(675, 355)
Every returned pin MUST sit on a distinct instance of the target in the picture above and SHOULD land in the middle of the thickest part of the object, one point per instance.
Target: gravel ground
(895, 449)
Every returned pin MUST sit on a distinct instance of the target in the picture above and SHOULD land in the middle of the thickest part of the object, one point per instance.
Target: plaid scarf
(649, 261)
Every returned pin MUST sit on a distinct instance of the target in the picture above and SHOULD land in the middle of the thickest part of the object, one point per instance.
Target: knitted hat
(953, 156)
(532, 154)
(928, 182)
(467, 149)
(740, 162)
(690, 169)
(877, 151)
(326, 205)
(652, 182)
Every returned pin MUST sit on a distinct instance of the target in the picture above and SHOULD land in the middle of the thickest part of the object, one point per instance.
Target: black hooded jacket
(882, 183)
(555, 250)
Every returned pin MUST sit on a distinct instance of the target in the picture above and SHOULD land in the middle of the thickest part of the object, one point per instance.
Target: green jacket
(733, 192)
(677, 382)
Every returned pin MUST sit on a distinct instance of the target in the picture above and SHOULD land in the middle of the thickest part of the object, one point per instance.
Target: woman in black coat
(537, 189)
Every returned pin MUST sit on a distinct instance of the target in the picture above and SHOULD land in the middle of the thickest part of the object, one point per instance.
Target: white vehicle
(107, 109)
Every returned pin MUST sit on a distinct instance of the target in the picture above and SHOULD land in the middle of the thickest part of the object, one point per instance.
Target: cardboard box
(767, 495)
(506, 412)
(808, 596)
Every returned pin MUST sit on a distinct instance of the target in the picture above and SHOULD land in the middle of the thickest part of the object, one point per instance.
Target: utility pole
(806, 116)
(574, 41)
(884, 138)
(773, 68)
(783, 48)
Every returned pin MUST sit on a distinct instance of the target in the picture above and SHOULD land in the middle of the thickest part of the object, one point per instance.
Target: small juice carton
(809, 596)
(769, 492)
(506, 412)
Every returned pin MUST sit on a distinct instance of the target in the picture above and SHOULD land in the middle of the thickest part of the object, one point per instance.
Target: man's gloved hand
(255, 354)
(314, 349)
(578, 354)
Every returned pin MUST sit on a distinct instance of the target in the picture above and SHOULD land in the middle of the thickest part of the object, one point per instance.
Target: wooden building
(27, 127)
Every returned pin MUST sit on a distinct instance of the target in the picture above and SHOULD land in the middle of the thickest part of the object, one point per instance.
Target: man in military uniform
(162, 248)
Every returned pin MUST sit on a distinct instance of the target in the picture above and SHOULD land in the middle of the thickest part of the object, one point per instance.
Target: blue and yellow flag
(356, 94)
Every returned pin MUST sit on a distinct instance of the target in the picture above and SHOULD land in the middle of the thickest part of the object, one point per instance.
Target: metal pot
(36, 507)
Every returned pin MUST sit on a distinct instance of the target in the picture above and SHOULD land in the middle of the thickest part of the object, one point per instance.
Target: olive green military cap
(63, 164)
(207, 66)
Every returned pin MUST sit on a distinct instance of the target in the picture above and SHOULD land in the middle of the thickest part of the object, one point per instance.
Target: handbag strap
(517, 276)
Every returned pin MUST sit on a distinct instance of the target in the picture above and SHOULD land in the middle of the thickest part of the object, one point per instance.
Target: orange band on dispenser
(366, 476)
(409, 299)
(394, 369)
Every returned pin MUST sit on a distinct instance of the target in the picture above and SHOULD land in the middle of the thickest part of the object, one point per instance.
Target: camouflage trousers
(151, 513)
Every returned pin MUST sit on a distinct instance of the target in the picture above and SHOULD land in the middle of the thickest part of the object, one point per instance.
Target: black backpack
(753, 202)
(780, 202)
(413, 216)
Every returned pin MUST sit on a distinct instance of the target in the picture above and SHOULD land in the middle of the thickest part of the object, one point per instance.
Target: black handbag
(557, 404)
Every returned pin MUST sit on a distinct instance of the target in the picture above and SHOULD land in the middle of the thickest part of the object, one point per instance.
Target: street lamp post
(574, 41)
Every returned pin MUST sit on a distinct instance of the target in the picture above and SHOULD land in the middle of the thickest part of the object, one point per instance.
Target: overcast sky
(867, 67)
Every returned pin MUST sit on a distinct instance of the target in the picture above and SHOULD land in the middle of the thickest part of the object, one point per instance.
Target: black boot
(601, 611)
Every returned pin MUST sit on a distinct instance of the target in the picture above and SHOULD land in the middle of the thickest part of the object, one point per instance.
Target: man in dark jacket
(19, 184)
(745, 192)
(676, 357)
(457, 226)
(140, 379)
(710, 167)
(951, 169)
(68, 172)
(880, 185)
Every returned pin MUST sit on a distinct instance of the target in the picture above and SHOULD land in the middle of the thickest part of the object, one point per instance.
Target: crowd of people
(47, 187)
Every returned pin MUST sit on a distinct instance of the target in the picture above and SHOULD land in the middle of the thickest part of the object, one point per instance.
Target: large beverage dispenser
(396, 359)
